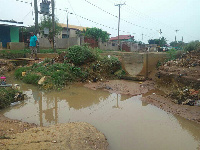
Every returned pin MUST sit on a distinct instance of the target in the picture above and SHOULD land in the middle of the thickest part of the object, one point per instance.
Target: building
(9, 34)
(72, 31)
(123, 38)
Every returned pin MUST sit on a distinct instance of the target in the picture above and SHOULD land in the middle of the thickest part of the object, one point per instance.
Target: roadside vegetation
(77, 64)
(12, 54)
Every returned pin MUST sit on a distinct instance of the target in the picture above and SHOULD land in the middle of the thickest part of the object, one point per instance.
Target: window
(64, 36)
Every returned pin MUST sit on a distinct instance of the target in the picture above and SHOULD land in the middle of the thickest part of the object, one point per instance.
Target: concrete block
(15, 46)
(1, 45)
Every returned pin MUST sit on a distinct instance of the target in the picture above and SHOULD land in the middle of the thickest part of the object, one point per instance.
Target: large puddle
(127, 122)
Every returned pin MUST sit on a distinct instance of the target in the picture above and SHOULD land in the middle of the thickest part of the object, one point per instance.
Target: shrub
(110, 65)
(79, 55)
(59, 78)
(194, 45)
(18, 72)
(171, 54)
(31, 78)
(7, 95)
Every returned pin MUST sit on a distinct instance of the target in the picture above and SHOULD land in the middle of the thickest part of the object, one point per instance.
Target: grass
(12, 54)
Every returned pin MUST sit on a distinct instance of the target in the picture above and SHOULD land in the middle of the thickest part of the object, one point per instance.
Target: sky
(138, 17)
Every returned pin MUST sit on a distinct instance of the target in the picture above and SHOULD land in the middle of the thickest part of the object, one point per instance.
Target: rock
(197, 103)
(23, 74)
(41, 81)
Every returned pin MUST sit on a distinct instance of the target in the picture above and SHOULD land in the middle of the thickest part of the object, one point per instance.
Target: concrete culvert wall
(135, 64)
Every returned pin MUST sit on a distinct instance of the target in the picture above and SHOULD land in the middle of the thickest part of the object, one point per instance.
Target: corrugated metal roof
(72, 26)
(122, 37)
(5, 23)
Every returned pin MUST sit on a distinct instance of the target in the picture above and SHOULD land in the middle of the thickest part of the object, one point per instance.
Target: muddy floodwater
(127, 122)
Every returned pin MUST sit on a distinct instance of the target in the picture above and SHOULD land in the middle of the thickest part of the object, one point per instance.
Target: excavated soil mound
(70, 136)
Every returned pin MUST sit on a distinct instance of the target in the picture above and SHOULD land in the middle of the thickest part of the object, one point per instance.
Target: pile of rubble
(6, 66)
(189, 59)
(186, 96)
(183, 77)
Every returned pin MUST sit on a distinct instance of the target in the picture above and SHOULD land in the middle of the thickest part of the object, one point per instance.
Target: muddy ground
(68, 136)
(150, 95)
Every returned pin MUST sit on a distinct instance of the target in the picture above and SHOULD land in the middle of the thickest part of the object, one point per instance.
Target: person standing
(33, 44)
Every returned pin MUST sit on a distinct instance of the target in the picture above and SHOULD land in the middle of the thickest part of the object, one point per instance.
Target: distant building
(124, 38)
(72, 31)
(9, 32)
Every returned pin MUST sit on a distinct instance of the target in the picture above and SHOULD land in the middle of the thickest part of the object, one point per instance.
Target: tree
(178, 44)
(46, 22)
(160, 42)
(96, 33)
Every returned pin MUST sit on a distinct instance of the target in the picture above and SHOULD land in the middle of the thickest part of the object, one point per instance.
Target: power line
(100, 23)
(152, 20)
(117, 17)
(74, 12)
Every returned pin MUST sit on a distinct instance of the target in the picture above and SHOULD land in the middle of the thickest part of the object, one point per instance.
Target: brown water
(127, 122)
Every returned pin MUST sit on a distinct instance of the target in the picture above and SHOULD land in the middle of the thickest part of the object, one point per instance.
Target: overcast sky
(137, 16)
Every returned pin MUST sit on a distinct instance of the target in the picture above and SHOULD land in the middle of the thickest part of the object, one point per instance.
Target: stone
(41, 81)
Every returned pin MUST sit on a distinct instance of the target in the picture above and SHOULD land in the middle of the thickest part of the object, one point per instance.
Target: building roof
(121, 37)
(12, 23)
(72, 26)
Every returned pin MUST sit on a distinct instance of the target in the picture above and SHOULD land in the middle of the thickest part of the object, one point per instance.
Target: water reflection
(118, 97)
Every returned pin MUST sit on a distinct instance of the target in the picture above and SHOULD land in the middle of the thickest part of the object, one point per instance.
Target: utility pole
(36, 16)
(68, 34)
(53, 23)
(142, 37)
(160, 32)
(176, 34)
(119, 5)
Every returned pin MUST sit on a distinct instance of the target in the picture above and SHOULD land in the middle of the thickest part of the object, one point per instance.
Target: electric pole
(36, 16)
(160, 32)
(119, 5)
(142, 37)
(176, 34)
(53, 23)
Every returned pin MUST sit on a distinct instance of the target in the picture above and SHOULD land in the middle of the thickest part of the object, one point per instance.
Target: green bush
(110, 65)
(31, 78)
(194, 45)
(171, 54)
(18, 72)
(7, 95)
(174, 54)
(79, 55)
(59, 78)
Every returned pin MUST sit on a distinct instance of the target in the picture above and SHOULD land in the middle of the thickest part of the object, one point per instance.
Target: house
(124, 38)
(72, 31)
(9, 34)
